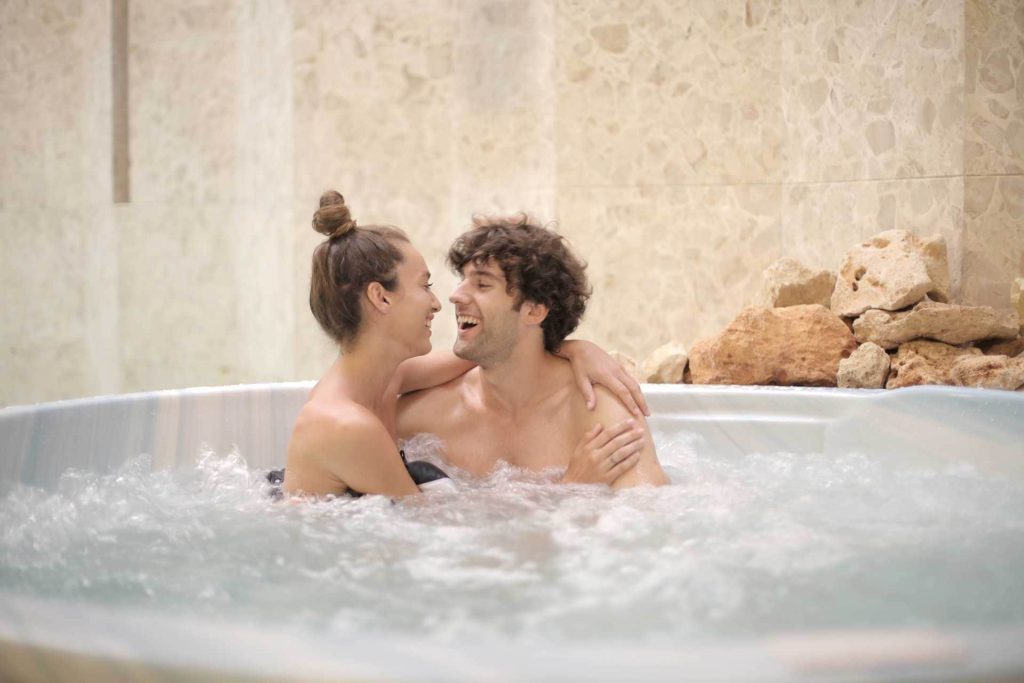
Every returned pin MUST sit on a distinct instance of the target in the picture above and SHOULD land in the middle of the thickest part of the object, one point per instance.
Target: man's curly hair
(538, 267)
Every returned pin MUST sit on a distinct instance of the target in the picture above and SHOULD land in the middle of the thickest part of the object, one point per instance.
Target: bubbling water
(768, 543)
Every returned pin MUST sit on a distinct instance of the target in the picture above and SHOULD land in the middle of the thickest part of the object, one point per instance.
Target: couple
(513, 390)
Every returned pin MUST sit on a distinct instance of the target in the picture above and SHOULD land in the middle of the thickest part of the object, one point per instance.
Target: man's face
(488, 324)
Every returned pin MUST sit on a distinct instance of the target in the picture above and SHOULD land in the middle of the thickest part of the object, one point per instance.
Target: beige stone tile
(265, 132)
(994, 131)
(55, 98)
(372, 98)
(503, 107)
(649, 94)
(669, 263)
(260, 259)
(993, 238)
(179, 315)
(58, 296)
(211, 103)
(184, 102)
(822, 221)
(155, 21)
(872, 89)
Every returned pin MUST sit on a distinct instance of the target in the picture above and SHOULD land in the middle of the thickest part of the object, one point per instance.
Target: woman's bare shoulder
(337, 426)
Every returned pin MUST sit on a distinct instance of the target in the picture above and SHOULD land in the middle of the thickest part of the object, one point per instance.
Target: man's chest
(476, 443)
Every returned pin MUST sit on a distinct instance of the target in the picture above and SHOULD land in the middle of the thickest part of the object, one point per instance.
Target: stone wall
(682, 146)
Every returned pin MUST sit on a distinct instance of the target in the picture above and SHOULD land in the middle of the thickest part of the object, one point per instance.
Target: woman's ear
(534, 313)
(378, 297)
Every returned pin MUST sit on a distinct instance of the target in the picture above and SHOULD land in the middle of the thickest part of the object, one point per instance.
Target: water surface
(768, 543)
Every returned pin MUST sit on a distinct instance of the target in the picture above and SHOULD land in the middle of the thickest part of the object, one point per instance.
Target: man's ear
(534, 313)
(378, 297)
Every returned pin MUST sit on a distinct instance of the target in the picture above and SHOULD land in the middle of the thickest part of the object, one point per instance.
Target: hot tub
(812, 439)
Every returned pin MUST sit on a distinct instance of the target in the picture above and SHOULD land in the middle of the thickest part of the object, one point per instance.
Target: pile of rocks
(885, 320)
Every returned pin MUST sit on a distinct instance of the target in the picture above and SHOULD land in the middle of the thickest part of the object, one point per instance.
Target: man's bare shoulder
(608, 406)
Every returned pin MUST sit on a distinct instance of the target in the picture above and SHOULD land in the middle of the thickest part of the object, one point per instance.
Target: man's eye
(484, 285)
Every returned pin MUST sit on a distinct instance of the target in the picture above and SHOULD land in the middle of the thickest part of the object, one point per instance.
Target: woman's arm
(590, 365)
(431, 370)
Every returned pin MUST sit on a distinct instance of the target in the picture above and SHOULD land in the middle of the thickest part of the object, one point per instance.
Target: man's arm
(610, 411)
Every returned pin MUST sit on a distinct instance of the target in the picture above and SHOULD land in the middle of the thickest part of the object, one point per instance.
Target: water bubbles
(737, 546)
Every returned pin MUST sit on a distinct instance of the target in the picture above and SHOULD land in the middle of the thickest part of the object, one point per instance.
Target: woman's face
(414, 305)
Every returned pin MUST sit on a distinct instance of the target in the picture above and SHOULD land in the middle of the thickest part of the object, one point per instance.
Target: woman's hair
(538, 267)
(345, 263)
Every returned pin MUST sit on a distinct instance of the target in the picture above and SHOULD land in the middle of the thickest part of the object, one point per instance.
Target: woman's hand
(604, 455)
(591, 365)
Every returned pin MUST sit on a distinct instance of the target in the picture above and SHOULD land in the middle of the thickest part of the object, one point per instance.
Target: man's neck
(519, 382)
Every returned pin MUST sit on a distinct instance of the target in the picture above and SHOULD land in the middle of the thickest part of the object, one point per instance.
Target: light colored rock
(866, 368)
(925, 362)
(787, 282)
(936, 260)
(948, 323)
(1017, 299)
(795, 345)
(627, 363)
(665, 365)
(890, 271)
(989, 372)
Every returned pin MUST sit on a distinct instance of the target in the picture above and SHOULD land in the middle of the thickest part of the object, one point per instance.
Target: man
(522, 293)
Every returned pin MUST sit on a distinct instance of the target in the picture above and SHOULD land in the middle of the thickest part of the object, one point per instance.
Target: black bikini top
(421, 471)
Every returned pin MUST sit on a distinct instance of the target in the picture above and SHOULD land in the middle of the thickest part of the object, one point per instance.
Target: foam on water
(767, 543)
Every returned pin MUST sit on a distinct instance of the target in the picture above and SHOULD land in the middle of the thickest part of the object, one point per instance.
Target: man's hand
(604, 455)
(591, 365)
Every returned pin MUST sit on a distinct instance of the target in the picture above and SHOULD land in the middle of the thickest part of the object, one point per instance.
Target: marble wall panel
(260, 258)
(184, 101)
(178, 297)
(671, 262)
(994, 86)
(656, 93)
(183, 21)
(55, 103)
(872, 89)
(822, 221)
(264, 134)
(503, 107)
(993, 238)
(210, 95)
(58, 296)
(372, 98)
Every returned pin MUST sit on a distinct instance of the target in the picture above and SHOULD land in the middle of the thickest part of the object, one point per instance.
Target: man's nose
(457, 295)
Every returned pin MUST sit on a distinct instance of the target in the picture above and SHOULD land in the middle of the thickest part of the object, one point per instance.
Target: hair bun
(333, 217)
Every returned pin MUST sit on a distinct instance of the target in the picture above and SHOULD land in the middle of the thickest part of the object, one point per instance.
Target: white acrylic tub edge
(45, 640)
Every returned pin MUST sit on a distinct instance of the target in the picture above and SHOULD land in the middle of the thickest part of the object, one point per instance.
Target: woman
(370, 291)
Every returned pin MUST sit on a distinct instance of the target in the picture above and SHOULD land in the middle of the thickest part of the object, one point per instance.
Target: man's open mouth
(467, 322)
